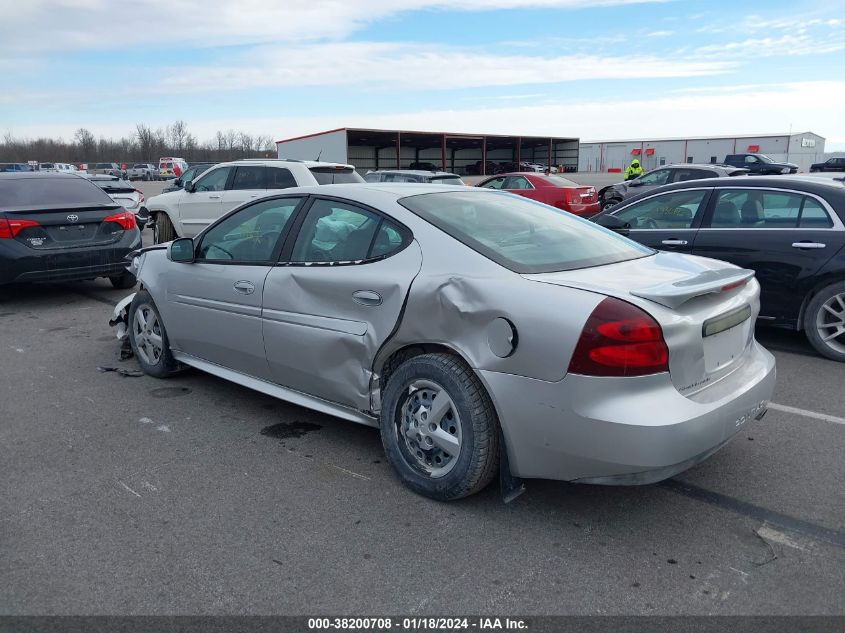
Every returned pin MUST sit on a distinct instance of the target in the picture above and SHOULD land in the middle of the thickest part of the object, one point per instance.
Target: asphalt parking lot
(131, 495)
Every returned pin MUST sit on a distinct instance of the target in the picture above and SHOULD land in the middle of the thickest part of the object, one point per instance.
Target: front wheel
(824, 321)
(610, 204)
(148, 338)
(439, 428)
(163, 230)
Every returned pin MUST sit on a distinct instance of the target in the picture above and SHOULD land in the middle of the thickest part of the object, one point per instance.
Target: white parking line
(807, 414)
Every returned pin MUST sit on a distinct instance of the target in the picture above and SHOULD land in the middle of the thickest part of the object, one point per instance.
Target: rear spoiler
(675, 294)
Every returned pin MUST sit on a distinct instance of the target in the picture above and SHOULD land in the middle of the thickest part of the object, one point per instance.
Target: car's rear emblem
(73, 218)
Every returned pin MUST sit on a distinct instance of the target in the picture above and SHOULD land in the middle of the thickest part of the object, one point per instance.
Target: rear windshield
(114, 186)
(557, 181)
(333, 175)
(166, 165)
(46, 165)
(40, 193)
(522, 235)
(447, 180)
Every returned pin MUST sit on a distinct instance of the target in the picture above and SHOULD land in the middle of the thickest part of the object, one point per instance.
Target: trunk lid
(66, 227)
(706, 309)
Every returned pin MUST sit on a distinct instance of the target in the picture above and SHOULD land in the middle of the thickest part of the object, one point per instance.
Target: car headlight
(785, 170)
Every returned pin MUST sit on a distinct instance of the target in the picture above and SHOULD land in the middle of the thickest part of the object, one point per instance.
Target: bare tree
(86, 142)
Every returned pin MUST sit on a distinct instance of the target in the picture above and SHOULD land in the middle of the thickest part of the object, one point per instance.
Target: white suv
(186, 212)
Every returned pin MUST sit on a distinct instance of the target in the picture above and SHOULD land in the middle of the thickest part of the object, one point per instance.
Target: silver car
(482, 332)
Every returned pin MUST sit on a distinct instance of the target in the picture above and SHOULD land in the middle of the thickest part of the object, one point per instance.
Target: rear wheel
(824, 321)
(148, 337)
(163, 230)
(123, 281)
(439, 428)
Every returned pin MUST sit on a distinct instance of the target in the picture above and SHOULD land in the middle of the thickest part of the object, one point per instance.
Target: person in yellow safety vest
(634, 170)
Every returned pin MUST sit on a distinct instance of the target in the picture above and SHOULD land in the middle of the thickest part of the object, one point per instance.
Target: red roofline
(296, 138)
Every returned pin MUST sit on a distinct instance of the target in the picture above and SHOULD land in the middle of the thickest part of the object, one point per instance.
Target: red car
(553, 190)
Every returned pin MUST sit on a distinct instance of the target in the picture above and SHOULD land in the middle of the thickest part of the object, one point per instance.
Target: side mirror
(189, 186)
(181, 250)
(634, 182)
(613, 223)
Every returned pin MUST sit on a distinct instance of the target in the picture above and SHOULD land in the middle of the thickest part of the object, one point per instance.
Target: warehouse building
(802, 149)
(464, 154)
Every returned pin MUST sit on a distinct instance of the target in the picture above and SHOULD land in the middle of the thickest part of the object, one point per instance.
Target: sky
(594, 69)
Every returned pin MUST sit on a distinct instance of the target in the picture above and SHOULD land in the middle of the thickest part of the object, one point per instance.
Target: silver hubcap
(431, 428)
(830, 323)
(146, 332)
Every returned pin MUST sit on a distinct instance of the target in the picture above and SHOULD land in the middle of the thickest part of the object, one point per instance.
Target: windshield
(38, 193)
(335, 175)
(47, 165)
(520, 234)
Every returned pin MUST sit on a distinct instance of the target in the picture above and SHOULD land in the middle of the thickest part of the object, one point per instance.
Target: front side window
(682, 175)
(675, 210)
(335, 231)
(657, 177)
(248, 177)
(213, 180)
(372, 177)
(522, 235)
(250, 235)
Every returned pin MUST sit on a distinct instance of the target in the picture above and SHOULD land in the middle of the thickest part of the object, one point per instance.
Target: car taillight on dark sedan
(125, 219)
(10, 228)
(619, 339)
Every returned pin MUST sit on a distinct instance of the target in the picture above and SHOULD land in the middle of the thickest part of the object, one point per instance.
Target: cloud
(660, 33)
(418, 67)
(50, 25)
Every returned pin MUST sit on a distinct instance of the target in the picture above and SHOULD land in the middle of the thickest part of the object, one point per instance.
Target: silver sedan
(484, 334)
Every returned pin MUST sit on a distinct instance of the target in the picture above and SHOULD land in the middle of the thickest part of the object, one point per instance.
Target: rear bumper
(585, 210)
(624, 430)
(19, 263)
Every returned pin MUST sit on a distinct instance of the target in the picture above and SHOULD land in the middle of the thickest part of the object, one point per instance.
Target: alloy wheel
(146, 332)
(830, 322)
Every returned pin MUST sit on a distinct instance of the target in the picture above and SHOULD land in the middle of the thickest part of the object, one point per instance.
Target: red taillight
(10, 228)
(619, 339)
(125, 219)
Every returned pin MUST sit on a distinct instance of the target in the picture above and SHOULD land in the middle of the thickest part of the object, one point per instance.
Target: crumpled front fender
(120, 316)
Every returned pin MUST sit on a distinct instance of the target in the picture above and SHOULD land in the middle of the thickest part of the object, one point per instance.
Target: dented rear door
(338, 297)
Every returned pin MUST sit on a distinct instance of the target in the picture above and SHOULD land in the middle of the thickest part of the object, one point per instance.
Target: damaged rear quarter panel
(459, 294)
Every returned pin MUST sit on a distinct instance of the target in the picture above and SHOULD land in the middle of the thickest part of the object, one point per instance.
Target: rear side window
(335, 175)
(248, 177)
(335, 232)
(279, 178)
(388, 240)
(682, 175)
(753, 208)
(39, 193)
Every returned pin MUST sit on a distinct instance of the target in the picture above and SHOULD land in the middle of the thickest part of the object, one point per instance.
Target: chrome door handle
(214, 197)
(808, 245)
(244, 287)
(674, 242)
(367, 298)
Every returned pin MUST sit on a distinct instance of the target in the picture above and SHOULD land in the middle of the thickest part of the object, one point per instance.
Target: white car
(61, 168)
(187, 211)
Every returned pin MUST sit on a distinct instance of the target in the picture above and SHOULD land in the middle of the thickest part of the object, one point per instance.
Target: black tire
(163, 366)
(610, 203)
(834, 350)
(478, 457)
(123, 281)
(163, 231)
